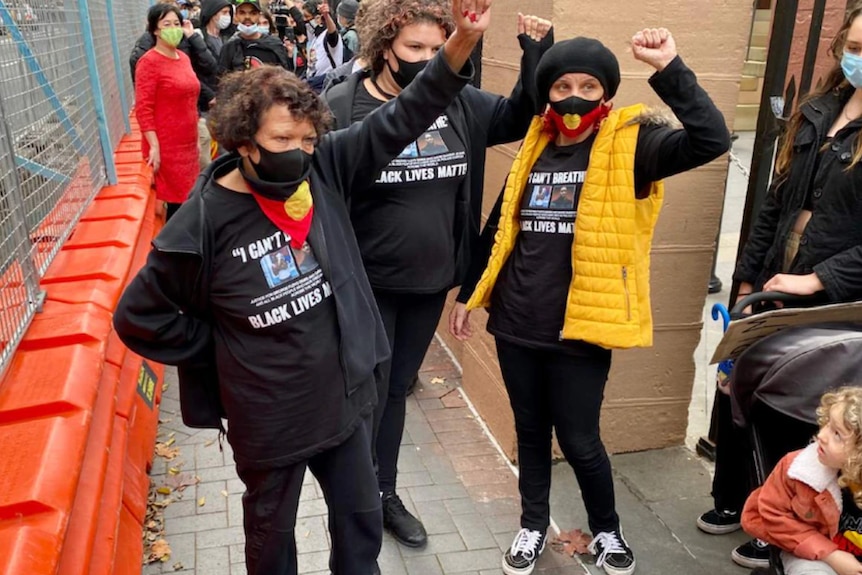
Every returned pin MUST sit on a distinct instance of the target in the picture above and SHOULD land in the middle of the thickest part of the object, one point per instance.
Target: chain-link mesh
(52, 161)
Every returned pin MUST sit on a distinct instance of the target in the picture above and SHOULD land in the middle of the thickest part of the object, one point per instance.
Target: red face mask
(573, 125)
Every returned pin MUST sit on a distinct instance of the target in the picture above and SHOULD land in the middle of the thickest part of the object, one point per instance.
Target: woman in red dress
(166, 94)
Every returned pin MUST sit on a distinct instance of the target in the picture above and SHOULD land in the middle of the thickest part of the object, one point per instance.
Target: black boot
(405, 528)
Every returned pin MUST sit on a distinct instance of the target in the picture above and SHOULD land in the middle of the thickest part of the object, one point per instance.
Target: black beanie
(585, 55)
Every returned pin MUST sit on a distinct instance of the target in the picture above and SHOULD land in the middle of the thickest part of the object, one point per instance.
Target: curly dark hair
(379, 21)
(244, 97)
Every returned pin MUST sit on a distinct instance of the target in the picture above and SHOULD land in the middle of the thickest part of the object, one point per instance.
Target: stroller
(777, 384)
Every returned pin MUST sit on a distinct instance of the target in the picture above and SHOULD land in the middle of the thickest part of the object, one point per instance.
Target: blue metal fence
(65, 97)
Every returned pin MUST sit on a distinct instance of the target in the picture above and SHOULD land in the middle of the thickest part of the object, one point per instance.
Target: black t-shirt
(849, 536)
(276, 335)
(254, 55)
(405, 222)
(528, 304)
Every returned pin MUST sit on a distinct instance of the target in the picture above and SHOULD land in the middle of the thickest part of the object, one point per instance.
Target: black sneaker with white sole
(521, 557)
(719, 522)
(612, 553)
(753, 554)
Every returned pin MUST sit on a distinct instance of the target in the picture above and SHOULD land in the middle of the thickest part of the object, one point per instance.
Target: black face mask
(407, 71)
(278, 173)
(575, 105)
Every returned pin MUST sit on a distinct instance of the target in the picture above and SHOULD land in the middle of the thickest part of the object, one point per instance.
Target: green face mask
(171, 36)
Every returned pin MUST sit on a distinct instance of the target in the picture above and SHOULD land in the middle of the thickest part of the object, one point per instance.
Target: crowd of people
(323, 184)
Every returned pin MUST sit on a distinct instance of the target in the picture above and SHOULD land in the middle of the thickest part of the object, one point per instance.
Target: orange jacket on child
(798, 507)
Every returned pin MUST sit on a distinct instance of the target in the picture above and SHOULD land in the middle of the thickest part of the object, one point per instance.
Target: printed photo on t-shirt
(562, 198)
(305, 259)
(279, 267)
(541, 197)
(410, 151)
(431, 144)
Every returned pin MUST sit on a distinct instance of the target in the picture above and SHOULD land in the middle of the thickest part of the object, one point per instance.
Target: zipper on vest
(626, 289)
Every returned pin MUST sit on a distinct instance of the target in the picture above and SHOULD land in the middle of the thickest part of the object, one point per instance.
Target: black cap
(585, 55)
(255, 3)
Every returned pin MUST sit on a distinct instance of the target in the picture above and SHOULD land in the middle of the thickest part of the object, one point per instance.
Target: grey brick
(310, 562)
(429, 404)
(220, 537)
(310, 534)
(437, 492)
(208, 456)
(212, 492)
(213, 561)
(223, 473)
(312, 508)
(235, 486)
(308, 492)
(462, 506)
(179, 509)
(237, 553)
(410, 460)
(194, 523)
(414, 478)
(461, 561)
(435, 517)
(182, 551)
(437, 544)
(474, 532)
(426, 565)
(234, 509)
(238, 569)
(422, 433)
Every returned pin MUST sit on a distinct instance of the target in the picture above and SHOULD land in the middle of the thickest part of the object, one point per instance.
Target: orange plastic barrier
(78, 411)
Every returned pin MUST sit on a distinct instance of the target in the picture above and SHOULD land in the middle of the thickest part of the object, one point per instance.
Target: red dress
(166, 98)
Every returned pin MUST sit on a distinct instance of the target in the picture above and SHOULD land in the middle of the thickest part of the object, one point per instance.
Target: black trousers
(734, 476)
(549, 389)
(346, 475)
(410, 321)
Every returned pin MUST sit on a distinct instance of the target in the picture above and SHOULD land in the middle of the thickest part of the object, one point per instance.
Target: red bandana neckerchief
(573, 125)
(292, 216)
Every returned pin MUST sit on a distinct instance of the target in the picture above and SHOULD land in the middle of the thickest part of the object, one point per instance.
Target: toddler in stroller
(809, 505)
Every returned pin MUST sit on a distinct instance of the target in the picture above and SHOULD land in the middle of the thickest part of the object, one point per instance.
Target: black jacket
(661, 150)
(481, 119)
(163, 315)
(203, 62)
(209, 81)
(831, 246)
(232, 53)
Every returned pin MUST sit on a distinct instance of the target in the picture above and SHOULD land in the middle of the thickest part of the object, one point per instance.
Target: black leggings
(346, 476)
(410, 321)
(555, 389)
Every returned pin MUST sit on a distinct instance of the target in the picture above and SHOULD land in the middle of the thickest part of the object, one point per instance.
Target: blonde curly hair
(378, 23)
(849, 401)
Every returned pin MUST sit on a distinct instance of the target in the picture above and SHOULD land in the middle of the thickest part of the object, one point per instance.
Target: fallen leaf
(163, 503)
(572, 542)
(438, 380)
(160, 551)
(166, 451)
(178, 566)
(173, 470)
(171, 440)
(164, 490)
(210, 442)
(180, 481)
(202, 501)
(224, 492)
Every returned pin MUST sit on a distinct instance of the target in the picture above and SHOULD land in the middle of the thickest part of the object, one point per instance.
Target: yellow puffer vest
(608, 302)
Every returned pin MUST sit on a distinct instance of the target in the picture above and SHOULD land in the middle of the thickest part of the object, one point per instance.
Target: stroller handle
(763, 296)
